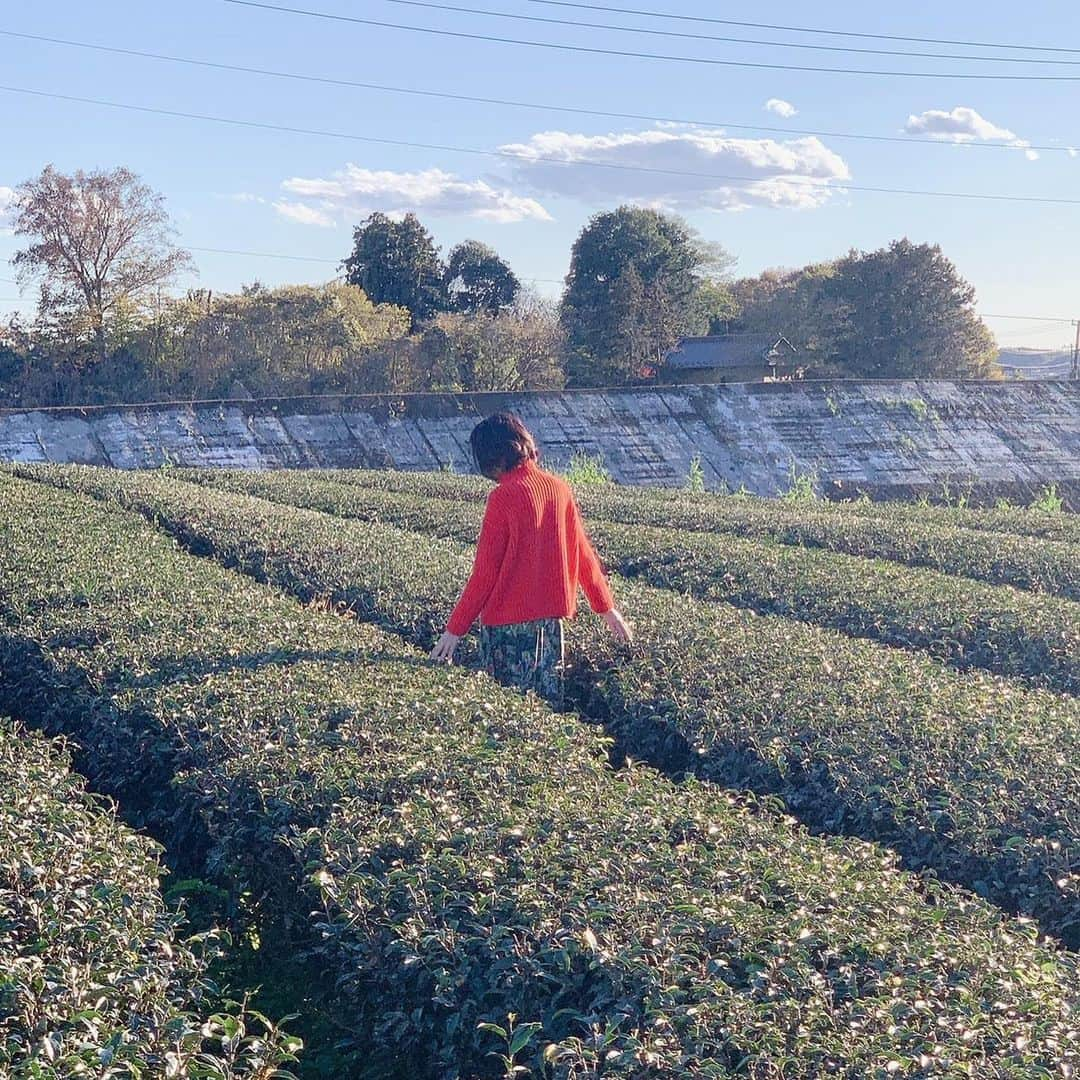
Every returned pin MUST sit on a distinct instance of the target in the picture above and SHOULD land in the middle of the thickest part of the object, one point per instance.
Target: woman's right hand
(619, 627)
(444, 648)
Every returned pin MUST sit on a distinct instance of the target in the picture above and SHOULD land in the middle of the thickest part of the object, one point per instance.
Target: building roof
(726, 351)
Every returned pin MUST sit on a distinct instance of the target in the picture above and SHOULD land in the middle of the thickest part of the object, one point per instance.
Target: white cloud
(355, 191)
(960, 125)
(691, 170)
(965, 125)
(303, 214)
(781, 107)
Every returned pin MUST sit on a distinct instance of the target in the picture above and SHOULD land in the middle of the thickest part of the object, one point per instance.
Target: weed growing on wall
(586, 470)
(802, 486)
(695, 478)
(1049, 501)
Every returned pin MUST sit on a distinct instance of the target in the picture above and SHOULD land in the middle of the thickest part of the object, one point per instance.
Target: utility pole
(1075, 374)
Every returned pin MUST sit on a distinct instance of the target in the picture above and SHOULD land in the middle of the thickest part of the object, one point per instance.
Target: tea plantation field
(822, 819)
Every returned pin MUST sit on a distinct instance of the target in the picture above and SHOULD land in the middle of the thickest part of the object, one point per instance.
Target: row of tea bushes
(480, 864)
(964, 774)
(1049, 566)
(958, 621)
(1021, 521)
(94, 977)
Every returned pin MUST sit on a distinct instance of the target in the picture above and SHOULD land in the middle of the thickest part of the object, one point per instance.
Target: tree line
(99, 249)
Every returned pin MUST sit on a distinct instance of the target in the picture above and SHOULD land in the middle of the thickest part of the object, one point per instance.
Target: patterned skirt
(528, 656)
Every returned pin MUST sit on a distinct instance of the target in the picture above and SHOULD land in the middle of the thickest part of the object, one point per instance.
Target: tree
(518, 348)
(716, 306)
(397, 262)
(296, 339)
(627, 330)
(794, 303)
(101, 244)
(904, 312)
(478, 280)
(634, 288)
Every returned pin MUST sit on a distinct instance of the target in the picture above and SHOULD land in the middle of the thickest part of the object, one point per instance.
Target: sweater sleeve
(590, 572)
(490, 549)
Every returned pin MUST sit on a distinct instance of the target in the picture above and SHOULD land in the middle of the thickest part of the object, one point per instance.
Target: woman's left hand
(444, 648)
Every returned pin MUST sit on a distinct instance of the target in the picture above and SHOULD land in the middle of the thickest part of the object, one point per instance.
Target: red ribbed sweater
(531, 556)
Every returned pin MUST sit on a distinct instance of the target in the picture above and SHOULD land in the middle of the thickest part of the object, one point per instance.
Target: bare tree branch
(100, 242)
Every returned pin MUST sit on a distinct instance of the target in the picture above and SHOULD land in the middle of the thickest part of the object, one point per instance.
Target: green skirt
(528, 656)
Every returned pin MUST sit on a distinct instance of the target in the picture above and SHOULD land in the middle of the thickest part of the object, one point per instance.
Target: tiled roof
(723, 351)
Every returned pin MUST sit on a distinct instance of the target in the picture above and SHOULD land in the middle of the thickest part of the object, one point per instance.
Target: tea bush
(1031, 520)
(964, 774)
(1003, 518)
(958, 621)
(479, 866)
(879, 531)
(95, 979)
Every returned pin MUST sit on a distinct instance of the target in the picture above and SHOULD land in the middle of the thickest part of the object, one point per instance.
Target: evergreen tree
(634, 288)
(478, 280)
(906, 313)
(397, 262)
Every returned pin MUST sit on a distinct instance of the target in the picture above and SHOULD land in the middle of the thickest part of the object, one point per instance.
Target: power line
(1060, 368)
(1040, 358)
(265, 255)
(723, 39)
(537, 280)
(630, 53)
(501, 102)
(299, 258)
(722, 178)
(1032, 318)
(800, 29)
(1040, 328)
(547, 281)
(330, 262)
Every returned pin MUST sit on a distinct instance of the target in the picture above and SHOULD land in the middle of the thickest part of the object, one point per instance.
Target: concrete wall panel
(889, 437)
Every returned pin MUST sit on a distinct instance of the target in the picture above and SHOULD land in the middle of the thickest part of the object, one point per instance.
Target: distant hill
(1036, 363)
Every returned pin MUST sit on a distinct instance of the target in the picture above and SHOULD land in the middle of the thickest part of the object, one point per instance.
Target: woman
(530, 559)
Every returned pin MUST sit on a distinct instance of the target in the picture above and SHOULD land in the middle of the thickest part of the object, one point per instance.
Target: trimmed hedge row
(94, 980)
(963, 774)
(1048, 566)
(958, 621)
(1021, 521)
(481, 864)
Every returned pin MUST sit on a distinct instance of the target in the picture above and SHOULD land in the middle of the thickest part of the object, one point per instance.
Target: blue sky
(297, 194)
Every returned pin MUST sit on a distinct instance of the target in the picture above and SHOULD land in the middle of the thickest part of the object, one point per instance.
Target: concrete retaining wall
(889, 439)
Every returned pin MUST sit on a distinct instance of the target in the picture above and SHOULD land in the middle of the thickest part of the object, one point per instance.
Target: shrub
(586, 470)
(695, 478)
(1048, 501)
(802, 487)
(969, 776)
(883, 530)
(478, 862)
(962, 622)
(1013, 520)
(94, 977)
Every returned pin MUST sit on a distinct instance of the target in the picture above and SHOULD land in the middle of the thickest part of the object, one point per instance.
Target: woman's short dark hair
(500, 443)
